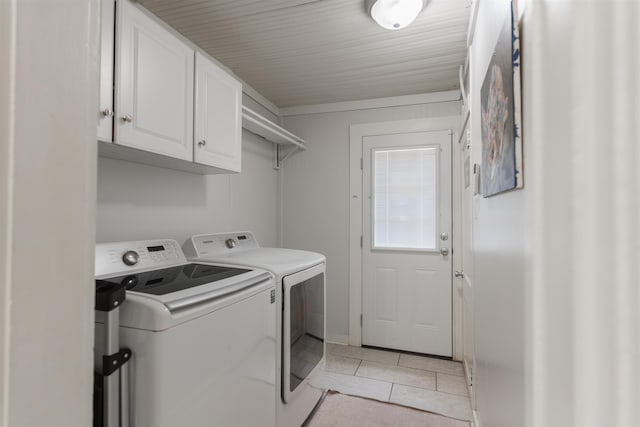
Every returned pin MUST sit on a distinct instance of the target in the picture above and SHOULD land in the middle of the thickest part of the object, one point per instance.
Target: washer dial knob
(130, 257)
(231, 243)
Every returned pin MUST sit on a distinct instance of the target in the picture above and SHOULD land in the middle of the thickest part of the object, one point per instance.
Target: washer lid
(280, 261)
(174, 279)
(160, 299)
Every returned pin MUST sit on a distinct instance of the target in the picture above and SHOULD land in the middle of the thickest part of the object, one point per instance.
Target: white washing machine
(202, 336)
(300, 308)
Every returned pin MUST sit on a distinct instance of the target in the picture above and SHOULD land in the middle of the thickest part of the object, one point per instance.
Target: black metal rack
(111, 379)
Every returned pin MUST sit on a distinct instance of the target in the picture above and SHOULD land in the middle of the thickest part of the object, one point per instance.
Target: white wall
(500, 254)
(556, 295)
(581, 111)
(316, 194)
(137, 202)
(48, 95)
(7, 66)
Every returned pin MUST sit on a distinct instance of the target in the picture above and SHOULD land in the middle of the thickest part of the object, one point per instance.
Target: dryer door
(303, 327)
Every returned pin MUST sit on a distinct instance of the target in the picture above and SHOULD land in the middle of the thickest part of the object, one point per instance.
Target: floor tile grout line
(398, 383)
(451, 373)
(344, 356)
(365, 350)
(409, 368)
(444, 395)
(437, 391)
(359, 357)
(357, 367)
(397, 364)
(431, 370)
(455, 394)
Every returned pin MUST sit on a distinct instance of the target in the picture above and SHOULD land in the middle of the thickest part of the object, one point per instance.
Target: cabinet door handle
(202, 143)
(107, 112)
(128, 118)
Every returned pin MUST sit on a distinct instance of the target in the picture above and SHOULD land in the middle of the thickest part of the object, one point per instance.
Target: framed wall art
(500, 114)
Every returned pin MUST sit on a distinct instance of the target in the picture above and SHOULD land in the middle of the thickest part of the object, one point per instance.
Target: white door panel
(406, 222)
(425, 306)
(386, 285)
(154, 86)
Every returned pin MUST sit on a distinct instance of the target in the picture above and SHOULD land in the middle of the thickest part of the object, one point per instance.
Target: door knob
(128, 118)
(107, 112)
(444, 251)
(444, 236)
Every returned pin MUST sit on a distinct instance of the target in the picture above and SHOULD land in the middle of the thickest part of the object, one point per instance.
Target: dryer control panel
(122, 257)
(218, 244)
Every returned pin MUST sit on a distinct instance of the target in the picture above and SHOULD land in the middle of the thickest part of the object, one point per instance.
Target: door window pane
(405, 198)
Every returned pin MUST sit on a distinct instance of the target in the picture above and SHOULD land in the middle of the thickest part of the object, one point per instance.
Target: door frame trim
(356, 134)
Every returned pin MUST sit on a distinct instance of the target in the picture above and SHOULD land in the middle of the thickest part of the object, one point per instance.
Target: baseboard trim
(476, 420)
(338, 339)
(467, 377)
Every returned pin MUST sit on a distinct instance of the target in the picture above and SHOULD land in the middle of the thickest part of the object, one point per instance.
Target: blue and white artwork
(500, 115)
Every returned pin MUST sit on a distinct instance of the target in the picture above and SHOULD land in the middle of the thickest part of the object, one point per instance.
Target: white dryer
(300, 312)
(202, 336)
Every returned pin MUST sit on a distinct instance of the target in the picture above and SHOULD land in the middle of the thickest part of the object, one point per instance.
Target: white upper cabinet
(105, 113)
(146, 112)
(218, 117)
(154, 86)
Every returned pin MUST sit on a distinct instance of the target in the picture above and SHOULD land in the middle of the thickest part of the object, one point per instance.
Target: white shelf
(261, 126)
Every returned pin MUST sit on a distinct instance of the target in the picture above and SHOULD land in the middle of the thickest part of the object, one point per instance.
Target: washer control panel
(120, 257)
(218, 244)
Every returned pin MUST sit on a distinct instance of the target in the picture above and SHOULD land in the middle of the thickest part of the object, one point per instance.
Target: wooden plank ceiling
(302, 52)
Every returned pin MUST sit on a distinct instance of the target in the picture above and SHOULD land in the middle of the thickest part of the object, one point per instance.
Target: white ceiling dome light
(394, 14)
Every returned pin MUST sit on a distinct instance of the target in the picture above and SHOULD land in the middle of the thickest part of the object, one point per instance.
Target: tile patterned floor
(431, 384)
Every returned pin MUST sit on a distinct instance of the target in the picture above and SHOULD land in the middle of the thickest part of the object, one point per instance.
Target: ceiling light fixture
(394, 14)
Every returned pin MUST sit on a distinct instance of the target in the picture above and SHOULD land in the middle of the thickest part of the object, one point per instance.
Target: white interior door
(406, 259)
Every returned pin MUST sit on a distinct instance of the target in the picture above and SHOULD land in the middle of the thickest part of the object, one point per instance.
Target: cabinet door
(218, 124)
(154, 86)
(107, 39)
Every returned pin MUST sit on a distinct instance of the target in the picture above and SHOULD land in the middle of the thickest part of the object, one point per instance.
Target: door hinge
(360, 163)
(361, 242)
(361, 320)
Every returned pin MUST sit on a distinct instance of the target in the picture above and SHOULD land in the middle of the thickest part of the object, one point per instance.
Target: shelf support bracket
(282, 153)
(285, 143)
